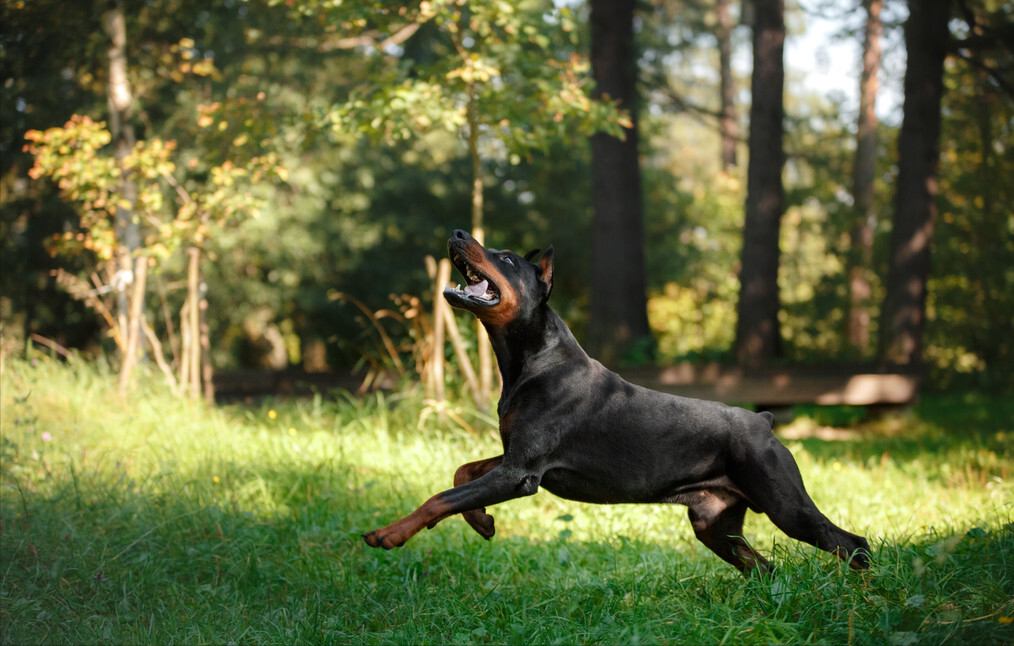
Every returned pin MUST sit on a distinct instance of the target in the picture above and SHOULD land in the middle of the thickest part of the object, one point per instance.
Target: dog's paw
(378, 538)
(861, 560)
(481, 522)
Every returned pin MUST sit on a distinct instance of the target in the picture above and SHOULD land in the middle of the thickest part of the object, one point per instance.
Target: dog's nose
(460, 234)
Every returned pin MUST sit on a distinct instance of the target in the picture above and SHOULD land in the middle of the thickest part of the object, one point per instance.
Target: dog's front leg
(480, 521)
(496, 486)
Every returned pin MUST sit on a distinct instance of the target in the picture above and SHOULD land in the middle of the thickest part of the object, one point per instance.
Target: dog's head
(500, 286)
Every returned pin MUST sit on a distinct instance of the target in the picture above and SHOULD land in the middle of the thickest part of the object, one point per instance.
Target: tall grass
(151, 520)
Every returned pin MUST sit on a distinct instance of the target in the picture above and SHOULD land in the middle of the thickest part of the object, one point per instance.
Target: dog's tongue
(477, 289)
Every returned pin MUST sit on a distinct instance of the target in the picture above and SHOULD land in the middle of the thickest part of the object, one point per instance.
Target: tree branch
(991, 72)
(368, 38)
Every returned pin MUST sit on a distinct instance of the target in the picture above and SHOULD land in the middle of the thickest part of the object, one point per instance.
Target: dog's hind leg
(772, 481)
(480, 521)
(717, 519)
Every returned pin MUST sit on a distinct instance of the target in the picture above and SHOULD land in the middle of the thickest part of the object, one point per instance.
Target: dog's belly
(621, 482)
(573, 486)
(601, 487)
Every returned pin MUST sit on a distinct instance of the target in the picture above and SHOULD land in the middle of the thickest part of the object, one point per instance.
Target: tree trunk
(207, 372)
(618, 310)
(485, 393)
(136, 323)
(728, 127)
(435, 385)
(120, 100)
(860, 255)
(904, 311)
(192, 323)
(758, 334)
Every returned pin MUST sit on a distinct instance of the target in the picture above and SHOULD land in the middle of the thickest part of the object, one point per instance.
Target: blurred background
(229, 186)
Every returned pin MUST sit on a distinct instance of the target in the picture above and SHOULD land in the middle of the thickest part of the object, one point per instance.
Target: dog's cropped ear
(546, 265)
(531, 254)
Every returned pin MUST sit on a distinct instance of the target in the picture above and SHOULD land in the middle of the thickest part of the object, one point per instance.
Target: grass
(146, 520)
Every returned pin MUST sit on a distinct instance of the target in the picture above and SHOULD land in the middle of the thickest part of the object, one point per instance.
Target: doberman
(571, 426)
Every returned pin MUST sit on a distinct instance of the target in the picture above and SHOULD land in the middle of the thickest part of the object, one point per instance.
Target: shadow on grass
(232, 550)
(973, 434)
(104, 560)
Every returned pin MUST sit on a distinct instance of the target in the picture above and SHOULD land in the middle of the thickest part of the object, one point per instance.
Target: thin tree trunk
(437, 358)
(758, 334)
(186, 341)
(860, 255)
(478, 232)
(618, 310)
(727, 124)
(159, 356)
(120, 100)
(904, 311)
(207, 372)
(460, 350)
(193, 322)
(134, 328)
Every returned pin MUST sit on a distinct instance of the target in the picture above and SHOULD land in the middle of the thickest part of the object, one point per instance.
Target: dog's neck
(541, 340)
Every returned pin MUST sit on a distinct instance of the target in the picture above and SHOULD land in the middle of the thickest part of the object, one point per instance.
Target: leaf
(916, 600)
(780, 591)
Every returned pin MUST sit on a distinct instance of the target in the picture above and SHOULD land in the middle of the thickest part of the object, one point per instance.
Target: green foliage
(515, 65)
(89, 176)
(154, 520)
(237, 81)
(695, 225)
(69, 156)
(971, 291)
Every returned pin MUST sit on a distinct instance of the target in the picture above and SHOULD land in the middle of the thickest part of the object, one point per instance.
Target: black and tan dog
(571, 426)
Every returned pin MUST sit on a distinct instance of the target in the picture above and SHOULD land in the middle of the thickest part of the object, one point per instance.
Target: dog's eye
(508, 260)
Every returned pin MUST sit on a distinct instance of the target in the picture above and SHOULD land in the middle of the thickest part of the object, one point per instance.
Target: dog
(580, 431)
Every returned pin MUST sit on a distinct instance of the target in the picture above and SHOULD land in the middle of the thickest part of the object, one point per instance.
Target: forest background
(308, 155)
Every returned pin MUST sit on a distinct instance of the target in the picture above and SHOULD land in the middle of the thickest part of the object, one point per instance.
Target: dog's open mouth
(478, 287)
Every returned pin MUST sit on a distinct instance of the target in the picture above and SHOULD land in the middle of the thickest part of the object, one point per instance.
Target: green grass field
(147, 520)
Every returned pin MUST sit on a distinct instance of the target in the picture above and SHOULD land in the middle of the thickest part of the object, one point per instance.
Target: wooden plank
(823, 385)
(858, 385)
